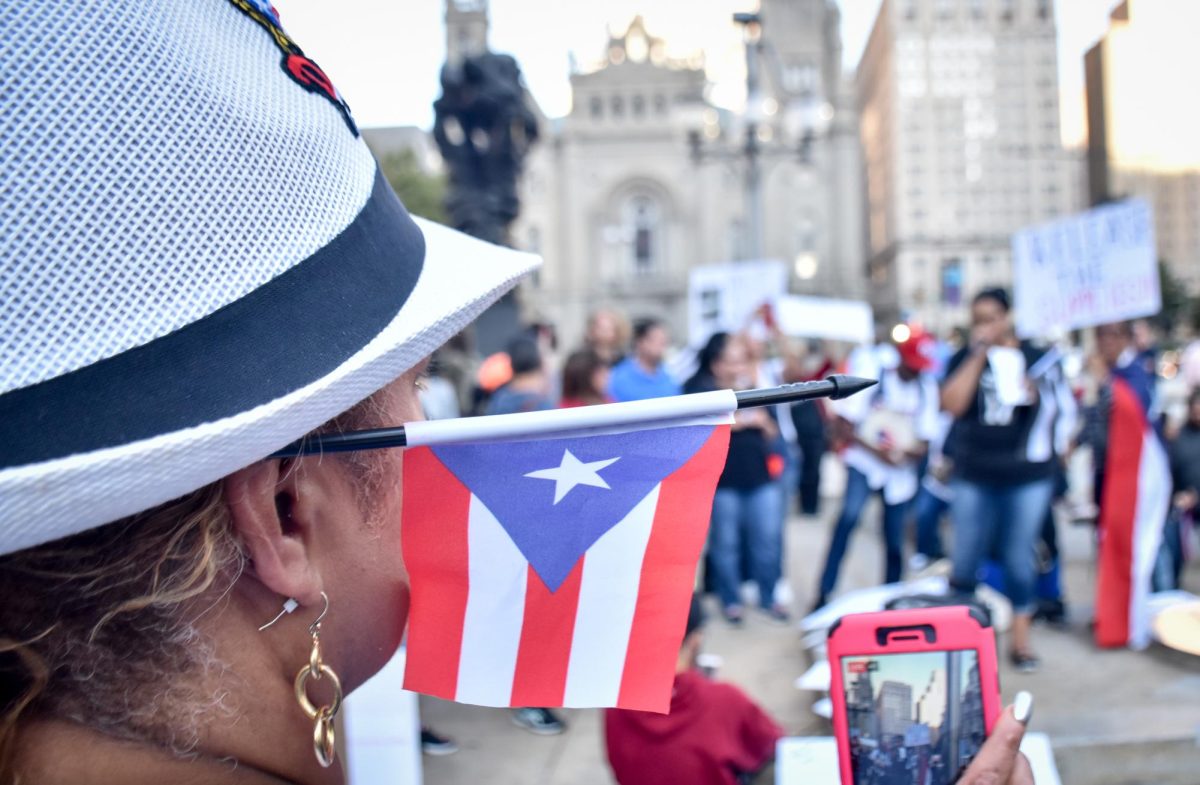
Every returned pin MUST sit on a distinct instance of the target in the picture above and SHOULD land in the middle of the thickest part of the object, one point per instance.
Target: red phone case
(956, 627)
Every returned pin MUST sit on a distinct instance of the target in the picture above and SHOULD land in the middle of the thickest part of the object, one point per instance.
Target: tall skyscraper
(895, 708)
(1141, 131)
(961, 141)
(862, 717)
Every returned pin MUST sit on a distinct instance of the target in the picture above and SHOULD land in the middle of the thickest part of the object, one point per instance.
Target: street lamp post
(751, 152)
(752, 38)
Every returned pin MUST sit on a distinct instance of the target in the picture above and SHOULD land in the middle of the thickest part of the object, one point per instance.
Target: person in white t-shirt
(889, 430)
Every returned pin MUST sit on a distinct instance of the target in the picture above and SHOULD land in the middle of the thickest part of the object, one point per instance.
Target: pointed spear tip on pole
(836, 386)
(849, 385)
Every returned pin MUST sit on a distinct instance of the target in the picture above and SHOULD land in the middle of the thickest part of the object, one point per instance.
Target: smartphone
(915, 693)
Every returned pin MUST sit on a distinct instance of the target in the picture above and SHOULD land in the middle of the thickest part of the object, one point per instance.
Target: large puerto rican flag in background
(1133, 509)
(557, 569)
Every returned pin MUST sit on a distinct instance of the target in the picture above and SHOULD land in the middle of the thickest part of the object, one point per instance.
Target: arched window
(641, 220)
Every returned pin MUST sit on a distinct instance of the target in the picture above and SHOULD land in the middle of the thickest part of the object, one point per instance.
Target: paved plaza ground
(1114, 717)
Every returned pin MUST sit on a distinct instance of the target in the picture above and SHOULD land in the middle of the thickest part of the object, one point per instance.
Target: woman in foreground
(204, 266)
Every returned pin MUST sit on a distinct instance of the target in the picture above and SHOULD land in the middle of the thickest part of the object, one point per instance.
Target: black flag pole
(834, 387)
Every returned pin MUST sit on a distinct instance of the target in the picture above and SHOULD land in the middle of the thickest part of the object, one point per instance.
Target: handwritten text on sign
(1090, 269)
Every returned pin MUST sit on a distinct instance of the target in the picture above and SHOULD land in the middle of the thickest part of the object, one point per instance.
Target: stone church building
(645, 179)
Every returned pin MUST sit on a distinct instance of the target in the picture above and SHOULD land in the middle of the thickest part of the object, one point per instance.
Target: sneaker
(1053, 612)
(733, 615)
(1024, 662)
(936, 568)
(1084, 512)
(542, 722)
(777, 613)
(433, 744)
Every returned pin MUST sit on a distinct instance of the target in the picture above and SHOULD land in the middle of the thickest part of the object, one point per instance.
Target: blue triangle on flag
(554, 535)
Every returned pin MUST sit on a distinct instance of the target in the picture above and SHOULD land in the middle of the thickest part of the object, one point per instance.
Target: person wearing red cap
(888, 432)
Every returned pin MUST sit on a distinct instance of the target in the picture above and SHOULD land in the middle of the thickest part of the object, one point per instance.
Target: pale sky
(384, 55)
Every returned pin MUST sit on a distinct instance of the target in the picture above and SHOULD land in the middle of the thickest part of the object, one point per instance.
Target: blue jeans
(1011, 515)
(1169, 565)
(928, 510)
(857, 493)
(754, 514)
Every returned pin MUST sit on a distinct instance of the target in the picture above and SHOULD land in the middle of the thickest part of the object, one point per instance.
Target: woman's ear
(273, 526)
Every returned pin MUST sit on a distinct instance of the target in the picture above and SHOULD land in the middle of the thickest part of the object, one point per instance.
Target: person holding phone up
(1004, 453)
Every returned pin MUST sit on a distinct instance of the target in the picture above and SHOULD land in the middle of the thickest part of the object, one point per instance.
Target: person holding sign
(1003, 460)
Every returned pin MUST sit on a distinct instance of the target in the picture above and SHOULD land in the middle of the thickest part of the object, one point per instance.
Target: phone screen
(913, 719)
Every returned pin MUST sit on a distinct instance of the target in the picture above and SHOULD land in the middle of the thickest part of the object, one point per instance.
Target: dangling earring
(323, 732)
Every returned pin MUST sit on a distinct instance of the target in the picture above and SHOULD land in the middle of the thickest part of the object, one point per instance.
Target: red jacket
(713, 733)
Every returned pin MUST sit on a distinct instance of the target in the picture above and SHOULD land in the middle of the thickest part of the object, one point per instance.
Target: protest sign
(1093, 268)
(917, 735)
(723, 297)
(824, 317)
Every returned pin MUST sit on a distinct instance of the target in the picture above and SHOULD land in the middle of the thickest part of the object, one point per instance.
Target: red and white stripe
(610, 634)
(1133, 509)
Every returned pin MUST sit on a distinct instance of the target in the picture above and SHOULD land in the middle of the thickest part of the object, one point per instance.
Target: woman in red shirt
(713, 735)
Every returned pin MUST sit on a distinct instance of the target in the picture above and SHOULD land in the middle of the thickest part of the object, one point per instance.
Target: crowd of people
(975, 436)
(772, 452)
(969, 439)
(972, 435)
(194, 305)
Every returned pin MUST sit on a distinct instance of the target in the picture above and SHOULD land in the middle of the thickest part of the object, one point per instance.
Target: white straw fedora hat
(199, 260)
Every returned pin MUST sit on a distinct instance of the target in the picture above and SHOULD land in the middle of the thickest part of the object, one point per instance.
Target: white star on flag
(572, 472)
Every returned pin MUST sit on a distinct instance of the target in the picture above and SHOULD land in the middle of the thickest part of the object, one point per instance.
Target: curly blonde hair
(97, 628)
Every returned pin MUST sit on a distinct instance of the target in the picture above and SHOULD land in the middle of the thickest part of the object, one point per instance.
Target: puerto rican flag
(1133, 509)
(557, 570)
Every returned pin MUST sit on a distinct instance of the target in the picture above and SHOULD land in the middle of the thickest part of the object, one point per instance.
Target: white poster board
(383, 730)
(1093, 268)
(722, 297)
(825, 317)
(917, 736)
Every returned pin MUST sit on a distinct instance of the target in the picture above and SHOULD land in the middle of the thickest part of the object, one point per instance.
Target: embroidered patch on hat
(295, 64)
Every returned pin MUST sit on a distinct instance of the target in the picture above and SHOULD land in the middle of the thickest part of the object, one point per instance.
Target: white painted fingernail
(1023, 707)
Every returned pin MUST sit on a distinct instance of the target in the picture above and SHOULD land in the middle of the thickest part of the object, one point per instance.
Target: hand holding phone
(1000, 760)
(915, 694)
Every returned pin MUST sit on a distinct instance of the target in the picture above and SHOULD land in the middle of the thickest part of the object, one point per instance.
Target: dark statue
(483, 127)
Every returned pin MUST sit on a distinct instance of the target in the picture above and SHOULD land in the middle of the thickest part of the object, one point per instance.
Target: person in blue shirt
(529, 388)
(642, 375)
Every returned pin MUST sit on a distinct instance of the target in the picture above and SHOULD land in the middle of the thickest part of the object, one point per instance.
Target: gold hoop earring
(323, 739)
